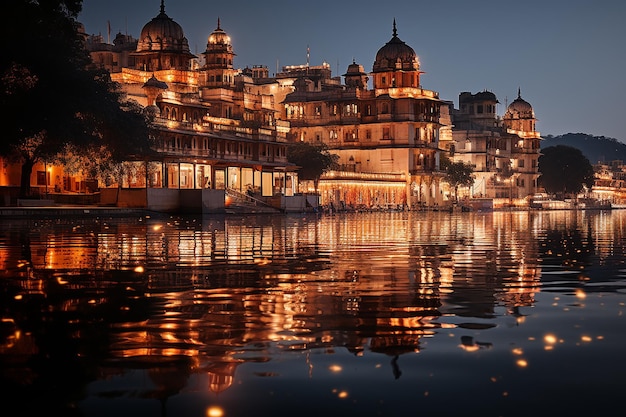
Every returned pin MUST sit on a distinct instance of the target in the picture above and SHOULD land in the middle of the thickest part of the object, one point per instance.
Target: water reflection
(116, 312)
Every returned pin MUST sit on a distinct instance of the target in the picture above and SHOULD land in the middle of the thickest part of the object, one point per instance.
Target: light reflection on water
(503, 313)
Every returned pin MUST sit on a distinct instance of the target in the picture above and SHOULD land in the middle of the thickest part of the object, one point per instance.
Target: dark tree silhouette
(564, 170)
(458, 174)
(49, 95)
(313, 160)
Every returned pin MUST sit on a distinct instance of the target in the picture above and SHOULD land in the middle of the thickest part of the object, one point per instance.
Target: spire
(162, 6)
(395, 31)
(519, 92)
(218, 24)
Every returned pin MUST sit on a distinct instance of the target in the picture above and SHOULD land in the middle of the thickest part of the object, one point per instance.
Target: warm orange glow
(580, 293)
(586, 338)
(139, 269)
(471, 348)
(518, 351)
(343, 394)
(550, 339)
(522, 363)
(214, 411)
(335, 368)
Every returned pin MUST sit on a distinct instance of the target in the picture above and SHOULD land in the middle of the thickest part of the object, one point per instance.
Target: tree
(51, 98)
(313, 160)
(564, 170)
(458, 174)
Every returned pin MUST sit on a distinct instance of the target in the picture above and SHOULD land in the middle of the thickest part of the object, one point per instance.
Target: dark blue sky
(566, 56)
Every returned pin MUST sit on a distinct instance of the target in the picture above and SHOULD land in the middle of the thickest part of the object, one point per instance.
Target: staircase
(241, 203)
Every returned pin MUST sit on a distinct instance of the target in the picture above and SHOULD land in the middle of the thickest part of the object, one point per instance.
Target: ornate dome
(396, 55)
(218, 36)
(162, 33)
(519, 109)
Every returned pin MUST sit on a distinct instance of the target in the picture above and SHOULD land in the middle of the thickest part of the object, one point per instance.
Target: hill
(595, 148)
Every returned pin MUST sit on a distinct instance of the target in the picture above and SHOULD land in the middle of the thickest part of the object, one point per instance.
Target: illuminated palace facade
(216, 127)
(504, 151)
(386, 138)
(222, 130)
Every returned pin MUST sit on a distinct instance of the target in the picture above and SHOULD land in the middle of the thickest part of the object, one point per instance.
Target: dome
(355, 69)
(162, 33)
(396, 55)
(520, 109)
(218, 36)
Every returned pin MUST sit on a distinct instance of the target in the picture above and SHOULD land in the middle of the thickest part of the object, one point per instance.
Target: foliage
(312, 159)
(458, 174)
(564, 170)
(595, 148)
(49, 95)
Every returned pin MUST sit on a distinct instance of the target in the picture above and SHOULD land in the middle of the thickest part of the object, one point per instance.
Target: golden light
(522, 363)
(214, 411)
(518, 351)
(335, 368)
(580, 293)
(343, 394)
(157, 227)
(139, 269)
(550, 339)
(586, 338)
(470, 348)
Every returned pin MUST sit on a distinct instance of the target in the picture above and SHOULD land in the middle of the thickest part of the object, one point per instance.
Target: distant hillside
(595, 148)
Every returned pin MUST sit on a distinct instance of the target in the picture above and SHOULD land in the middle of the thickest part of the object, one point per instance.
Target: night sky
(566, 56)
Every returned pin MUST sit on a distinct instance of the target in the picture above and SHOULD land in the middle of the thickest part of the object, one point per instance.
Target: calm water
(377, 314)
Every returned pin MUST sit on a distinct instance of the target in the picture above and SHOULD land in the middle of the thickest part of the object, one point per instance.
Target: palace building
(387, 137)
(216, 129)
(222, 133)
(504, 152)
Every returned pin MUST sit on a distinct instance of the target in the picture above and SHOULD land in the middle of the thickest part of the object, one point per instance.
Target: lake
(512, 313)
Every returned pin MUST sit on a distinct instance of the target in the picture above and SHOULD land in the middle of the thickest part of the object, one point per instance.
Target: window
(318, 110)
(41, 178)
(386, 134)
(520, 163)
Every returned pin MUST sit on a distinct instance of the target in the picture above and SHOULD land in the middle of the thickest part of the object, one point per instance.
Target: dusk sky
(566, 56)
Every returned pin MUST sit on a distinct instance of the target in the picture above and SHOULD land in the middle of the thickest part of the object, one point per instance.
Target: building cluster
(224, 131)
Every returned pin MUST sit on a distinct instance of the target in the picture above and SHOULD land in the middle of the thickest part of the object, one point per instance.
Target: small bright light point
(335, 368)
(586, 339)
(139, 269)
(343, 394)
(550, 338)
(517, 351)
(522, 363)
(214, 411)
(580, 294)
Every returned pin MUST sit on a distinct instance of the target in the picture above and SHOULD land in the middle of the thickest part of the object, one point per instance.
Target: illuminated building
(386, 138)
(504, 152)
(216, 129)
